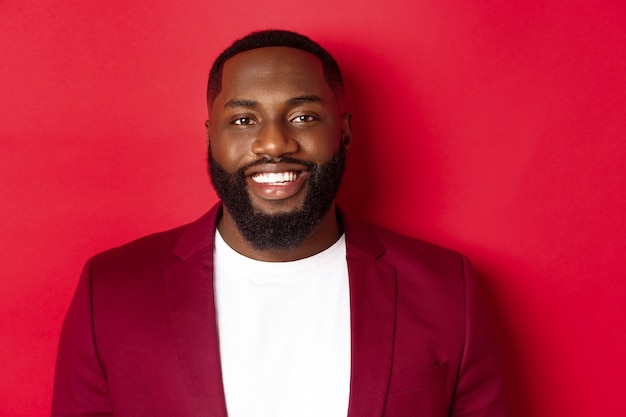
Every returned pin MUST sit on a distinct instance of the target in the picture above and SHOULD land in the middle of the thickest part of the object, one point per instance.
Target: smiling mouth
(275, 178)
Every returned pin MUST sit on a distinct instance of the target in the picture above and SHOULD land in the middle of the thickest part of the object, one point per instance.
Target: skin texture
(274, 103)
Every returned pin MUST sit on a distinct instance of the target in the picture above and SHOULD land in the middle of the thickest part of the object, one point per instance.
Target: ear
(207, 125)
(346, 129)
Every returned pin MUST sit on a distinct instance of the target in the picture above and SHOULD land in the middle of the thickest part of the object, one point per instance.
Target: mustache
(268, 160)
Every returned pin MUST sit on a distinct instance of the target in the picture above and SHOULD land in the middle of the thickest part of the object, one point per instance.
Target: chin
(277, 207)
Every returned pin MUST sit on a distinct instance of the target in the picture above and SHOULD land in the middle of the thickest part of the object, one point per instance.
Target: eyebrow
(241, 103)
(305, 99)
(234, 103)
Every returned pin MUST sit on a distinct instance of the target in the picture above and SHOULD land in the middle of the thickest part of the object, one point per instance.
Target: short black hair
(272, 38)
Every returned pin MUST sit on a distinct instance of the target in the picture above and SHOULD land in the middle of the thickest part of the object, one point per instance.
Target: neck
(322, 237)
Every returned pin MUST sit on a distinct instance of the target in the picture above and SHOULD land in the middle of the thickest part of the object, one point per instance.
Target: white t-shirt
(284, 333)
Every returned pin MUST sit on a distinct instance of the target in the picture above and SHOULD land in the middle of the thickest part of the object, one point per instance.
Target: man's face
(277, 141)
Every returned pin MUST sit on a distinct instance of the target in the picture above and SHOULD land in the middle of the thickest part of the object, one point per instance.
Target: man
(275, 303)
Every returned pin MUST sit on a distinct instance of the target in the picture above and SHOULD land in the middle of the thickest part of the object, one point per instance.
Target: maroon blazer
(140, 336)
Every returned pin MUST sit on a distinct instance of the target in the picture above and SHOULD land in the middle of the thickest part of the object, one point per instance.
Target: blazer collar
(190, 297)
(372, 315)
(199, 235)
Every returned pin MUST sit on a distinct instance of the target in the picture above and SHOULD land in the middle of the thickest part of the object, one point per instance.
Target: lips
(276, 181)
(275, 177)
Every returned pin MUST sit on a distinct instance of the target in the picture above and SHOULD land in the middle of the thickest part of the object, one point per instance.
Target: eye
(243, 121)
(303, 118)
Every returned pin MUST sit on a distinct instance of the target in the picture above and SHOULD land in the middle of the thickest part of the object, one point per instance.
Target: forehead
(271, 70)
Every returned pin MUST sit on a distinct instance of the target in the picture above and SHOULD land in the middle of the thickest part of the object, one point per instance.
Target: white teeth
(274, 177)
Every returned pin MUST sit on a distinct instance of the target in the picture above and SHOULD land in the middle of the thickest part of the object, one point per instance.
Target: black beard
(285, 230)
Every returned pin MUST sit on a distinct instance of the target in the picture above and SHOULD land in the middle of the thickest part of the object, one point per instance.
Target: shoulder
(155, 251)
(428, 276)
(134, 264)
(404, 252)
(399, 243)
(145, 249)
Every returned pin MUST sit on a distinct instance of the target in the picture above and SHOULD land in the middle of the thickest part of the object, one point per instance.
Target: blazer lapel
(373, 306)
(189, 285)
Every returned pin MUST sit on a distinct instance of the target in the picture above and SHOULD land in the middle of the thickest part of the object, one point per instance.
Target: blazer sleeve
(478, 391)
(80, 383)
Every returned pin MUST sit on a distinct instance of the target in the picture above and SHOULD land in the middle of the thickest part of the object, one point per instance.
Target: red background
(496, 128)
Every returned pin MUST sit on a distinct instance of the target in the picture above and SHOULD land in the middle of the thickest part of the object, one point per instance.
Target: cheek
(322, 145)
(230, 152)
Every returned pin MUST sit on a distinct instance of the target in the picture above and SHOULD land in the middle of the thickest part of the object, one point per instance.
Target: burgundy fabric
(140, 337)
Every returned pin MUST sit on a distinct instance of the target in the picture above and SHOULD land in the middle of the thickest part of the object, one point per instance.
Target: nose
(274, 140)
